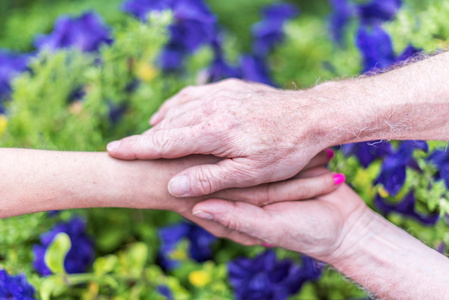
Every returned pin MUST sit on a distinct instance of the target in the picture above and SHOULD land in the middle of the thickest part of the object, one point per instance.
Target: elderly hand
(338, 228)
(318, 227)
(265, 134)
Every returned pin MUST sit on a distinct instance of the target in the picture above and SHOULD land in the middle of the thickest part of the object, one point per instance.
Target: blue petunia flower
(265, 277)
(367, 152)
(86, 33)
(11, 66)
(406, 208)
(200, 242)
(81, 254)
(393, 172)
(441, 160)
(15, 287)
(193, 26)
(376, 47)
(378, 11)
(269, 31)
(165, 291)
(255, 69)
(342, 11)
(219, 68)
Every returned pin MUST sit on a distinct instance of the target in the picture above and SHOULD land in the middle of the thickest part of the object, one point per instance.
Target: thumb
(206, 179)
(239, 216)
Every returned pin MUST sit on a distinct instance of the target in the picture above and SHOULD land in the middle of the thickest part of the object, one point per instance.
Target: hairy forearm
(411, 102)
(392, 264)
(36, 180)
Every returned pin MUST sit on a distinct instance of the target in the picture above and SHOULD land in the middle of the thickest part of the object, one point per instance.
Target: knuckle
(205, 181)
(263, 195)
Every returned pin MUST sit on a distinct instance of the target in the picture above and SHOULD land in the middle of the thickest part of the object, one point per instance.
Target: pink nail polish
(330, 153)
(267, 245)
(339, 178)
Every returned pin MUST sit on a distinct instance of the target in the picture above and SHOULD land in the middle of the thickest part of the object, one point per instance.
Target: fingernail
(179, 186)
(339, 178)
(330, 153)
(267, 245)
(203, 215)
(113, 145)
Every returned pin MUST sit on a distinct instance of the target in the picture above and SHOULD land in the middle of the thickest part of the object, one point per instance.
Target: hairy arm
(391, 263)
(410, 102)
(339, 229)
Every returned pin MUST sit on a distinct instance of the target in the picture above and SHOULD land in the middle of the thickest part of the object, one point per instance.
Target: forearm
(411, 102)
(392, 264)
(36, 180)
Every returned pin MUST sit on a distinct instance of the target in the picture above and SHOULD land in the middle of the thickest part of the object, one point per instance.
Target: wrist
(349, 113)
(359, 231)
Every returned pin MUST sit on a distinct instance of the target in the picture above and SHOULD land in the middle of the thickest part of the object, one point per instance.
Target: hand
(322, 227)
(264, 134)
(297, 188)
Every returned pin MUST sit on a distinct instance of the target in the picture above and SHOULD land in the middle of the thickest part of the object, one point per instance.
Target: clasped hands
(265, 168)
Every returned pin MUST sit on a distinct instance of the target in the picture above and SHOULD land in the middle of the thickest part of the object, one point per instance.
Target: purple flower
(264, 277)
(440, 159)
(269, 31)
(15, 287)
(378, 11)
(11, 65)
(376, 47)
(255, 69)
(86, 33)
(172, 57)
(342, 11)
(194, 26)
(392, 175)
(219, 68)
(406, 208)
(165, 291)
(408, 52)
(141, 8)
(200, 242)
(367, 152)
(81, 254)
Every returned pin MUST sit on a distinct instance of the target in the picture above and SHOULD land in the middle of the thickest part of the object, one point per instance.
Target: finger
(165, 143)
(187, 94)
(209, 178)
(320, 159)
(290, 190)
(239, 216)
(223, 232)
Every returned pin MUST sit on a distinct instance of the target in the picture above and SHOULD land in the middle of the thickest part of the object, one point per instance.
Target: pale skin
(339, 229)
(37, 180)
(267, 134)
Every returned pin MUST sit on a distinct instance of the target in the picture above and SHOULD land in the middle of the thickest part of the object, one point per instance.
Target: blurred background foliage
(79, 99)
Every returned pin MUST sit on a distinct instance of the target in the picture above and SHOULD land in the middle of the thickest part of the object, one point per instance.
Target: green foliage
(43, 114)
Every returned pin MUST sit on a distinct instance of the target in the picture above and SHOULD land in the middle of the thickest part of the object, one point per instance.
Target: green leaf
(56, 253)
(52, 285)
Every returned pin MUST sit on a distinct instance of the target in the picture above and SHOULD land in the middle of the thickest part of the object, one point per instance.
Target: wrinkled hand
(304, 185)
(322, 227)
(265, 134)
